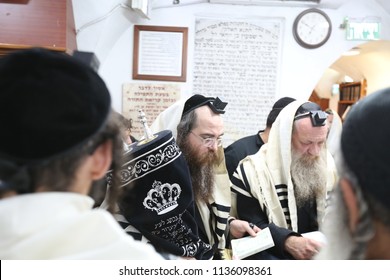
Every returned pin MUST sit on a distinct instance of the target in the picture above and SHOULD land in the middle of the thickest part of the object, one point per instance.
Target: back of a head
(364, 145)
(50, 104)
(277, 108)
(123, 121)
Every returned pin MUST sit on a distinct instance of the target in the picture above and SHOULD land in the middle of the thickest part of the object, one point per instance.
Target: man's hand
(238, 228)
(302, 248)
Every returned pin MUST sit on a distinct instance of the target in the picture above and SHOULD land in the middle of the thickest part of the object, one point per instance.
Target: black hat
(276, 108)
(282, 102)
(198, 100)
(364, 144)
(49, 103)
(158, 198)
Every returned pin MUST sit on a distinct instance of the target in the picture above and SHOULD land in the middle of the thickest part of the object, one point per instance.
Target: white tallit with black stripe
(215, 218)
(266, 175)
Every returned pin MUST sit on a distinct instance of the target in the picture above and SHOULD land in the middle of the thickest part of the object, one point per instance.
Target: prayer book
(249, 245)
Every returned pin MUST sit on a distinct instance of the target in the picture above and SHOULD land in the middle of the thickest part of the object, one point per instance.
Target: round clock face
(312, 28)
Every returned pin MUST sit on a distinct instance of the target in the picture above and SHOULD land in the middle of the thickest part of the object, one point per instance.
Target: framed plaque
(160, 53)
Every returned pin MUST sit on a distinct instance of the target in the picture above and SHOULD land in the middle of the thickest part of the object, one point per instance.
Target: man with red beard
(200, 129)
(284, 185)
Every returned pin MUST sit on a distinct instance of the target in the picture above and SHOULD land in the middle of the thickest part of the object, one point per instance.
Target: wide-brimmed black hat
(276, 108)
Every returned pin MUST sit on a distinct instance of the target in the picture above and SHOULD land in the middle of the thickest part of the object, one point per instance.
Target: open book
(249, 245)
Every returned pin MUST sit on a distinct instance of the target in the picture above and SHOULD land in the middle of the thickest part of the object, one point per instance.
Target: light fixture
(351, 52)
(348, 79)
(141, 7)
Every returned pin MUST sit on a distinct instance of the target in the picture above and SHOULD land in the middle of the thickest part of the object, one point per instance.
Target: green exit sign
(363, 31)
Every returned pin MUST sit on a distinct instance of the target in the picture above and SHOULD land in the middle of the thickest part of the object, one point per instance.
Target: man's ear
(101, 160)
(350, 201)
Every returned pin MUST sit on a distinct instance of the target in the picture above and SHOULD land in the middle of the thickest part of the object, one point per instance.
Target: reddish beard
(201, 167)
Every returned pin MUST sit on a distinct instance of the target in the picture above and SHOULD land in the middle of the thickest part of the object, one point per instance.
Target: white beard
(309, 177)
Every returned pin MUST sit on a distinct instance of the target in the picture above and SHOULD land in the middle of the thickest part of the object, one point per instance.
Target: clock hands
(309, 26)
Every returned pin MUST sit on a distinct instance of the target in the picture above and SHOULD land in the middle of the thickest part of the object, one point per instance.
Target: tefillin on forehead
(197, 100)
(312, 110)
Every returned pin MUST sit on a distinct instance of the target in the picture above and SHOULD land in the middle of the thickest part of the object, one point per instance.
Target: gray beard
(309, 177)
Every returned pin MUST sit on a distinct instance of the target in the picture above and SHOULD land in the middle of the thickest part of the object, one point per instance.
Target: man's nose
(214, 146)
(315, 150)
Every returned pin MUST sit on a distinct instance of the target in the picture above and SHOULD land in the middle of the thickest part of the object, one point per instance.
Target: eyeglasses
(209, 141)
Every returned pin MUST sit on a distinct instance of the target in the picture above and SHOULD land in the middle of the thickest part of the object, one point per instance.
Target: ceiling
(385, 4)
(371, 64)
(357, 66)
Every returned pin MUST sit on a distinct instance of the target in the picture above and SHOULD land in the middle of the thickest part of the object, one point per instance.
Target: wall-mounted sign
(363, 30)
(152, 99)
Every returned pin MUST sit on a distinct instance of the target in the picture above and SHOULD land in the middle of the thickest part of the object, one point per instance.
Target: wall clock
(312, 28)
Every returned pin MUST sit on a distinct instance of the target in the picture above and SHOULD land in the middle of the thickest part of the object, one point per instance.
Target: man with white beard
(358, 223)
(284, 185)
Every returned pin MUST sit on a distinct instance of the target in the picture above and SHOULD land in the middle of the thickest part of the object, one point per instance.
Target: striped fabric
(266, 176)
(215, 214)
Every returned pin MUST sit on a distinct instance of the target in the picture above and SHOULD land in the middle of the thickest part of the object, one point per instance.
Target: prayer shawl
(63, 225)
(334, 136)
(266, 175)
(214, 221)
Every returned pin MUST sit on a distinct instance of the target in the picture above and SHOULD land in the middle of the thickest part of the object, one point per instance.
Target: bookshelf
(349, 94)
(323, 102)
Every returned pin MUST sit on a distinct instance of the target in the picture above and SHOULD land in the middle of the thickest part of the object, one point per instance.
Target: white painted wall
(107, 30)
